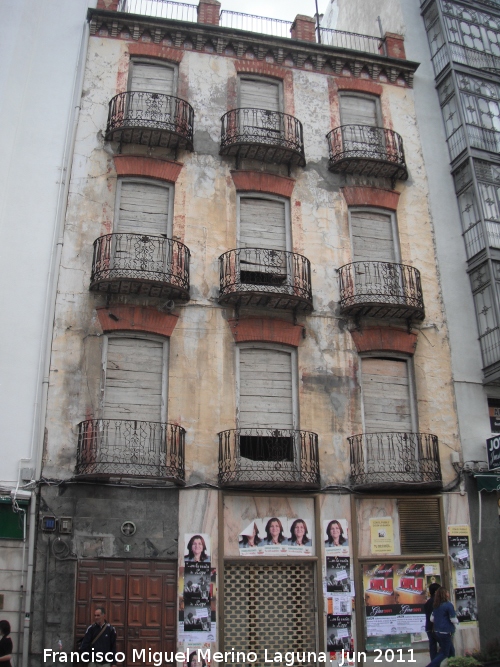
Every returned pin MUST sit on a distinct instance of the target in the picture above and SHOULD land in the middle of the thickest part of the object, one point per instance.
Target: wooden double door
(139, 598)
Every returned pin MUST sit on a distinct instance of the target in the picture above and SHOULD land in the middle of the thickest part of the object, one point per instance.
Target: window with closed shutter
(266, 389)
(143, 208)
(134, 379)
(360, 119)
(263, 240)
(372, 237)
(152, 78)
(259, 100)
(376, 272)
(359, 110)
(142, 223)
(386, 395)
(259, 94)
(150, 100)
(266, 404)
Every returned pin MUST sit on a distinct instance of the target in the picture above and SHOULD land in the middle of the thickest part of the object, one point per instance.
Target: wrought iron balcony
(365, 150)
(381, 289)
(140, 264)
(128, 448)
(270, 458)
(267, 136)
(395, 460)
(263, 277)
(151, 119)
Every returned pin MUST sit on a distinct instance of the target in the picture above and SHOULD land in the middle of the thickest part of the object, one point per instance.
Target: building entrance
(139, 598)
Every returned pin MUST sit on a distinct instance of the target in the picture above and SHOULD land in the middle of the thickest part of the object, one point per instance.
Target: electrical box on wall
(65, 525)
(48, 523)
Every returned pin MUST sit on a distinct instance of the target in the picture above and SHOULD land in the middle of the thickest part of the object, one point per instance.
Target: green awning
(488, 481)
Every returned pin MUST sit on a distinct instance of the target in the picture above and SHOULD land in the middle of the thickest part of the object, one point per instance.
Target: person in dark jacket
(100, 638)
(5, 644)
(429, 626)
(445, 619)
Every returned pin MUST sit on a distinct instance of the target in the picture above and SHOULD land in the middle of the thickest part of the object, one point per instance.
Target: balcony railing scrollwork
(271, 458)
(128, 448)
(395, 460)
(151, 119)
(381, 289)
(366, 150)
(140, 264)
(267, 136)
(265, 277)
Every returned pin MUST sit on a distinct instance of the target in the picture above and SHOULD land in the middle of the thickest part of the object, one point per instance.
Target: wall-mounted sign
(494, 410)
(381, 535)
(493, 451)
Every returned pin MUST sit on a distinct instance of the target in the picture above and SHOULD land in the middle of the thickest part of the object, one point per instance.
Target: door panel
(145, 617)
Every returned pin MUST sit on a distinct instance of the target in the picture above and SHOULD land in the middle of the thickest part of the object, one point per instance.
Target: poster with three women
(277, 536)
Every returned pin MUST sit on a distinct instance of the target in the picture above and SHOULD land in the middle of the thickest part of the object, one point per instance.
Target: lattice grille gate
(269, 606)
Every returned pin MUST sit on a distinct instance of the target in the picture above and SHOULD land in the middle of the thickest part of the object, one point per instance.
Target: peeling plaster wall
(201, 376)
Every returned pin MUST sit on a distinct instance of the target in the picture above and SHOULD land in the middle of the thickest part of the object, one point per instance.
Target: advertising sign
(493, 450)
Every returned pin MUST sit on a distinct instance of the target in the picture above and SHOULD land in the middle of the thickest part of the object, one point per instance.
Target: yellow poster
(381, 535)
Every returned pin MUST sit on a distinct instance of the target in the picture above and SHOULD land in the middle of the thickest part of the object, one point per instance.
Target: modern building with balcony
(244, 382)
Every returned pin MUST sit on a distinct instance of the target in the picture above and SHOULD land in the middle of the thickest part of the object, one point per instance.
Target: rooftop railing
(351, 40)
(164, 9)
(181, 11)
(252, 23)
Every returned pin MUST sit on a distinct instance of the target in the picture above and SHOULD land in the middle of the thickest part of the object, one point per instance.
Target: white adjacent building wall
(41, 43)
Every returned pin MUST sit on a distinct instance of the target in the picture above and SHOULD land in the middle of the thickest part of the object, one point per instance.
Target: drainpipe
(50, 305)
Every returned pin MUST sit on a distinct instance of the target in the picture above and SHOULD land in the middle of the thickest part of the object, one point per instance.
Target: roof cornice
(327, 59)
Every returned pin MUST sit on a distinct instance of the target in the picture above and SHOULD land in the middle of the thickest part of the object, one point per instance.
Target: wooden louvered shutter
(420, 525)
(265, 389)
(356, 110)
(386, 395)
(143, 208)
(150, 78)
(259, 95)
(262, 224)
(372, 237)
(134, 379)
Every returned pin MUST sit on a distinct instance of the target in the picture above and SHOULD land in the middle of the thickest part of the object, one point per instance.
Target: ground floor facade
(258, 577)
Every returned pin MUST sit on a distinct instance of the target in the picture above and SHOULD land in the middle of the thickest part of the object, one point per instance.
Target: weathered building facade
(456, 44)
(251, 421)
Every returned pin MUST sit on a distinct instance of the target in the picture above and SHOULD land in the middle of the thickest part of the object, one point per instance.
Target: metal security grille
(420, 525)
(269, 606)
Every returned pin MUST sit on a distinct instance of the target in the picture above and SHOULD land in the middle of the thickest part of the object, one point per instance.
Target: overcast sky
(276, 9)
